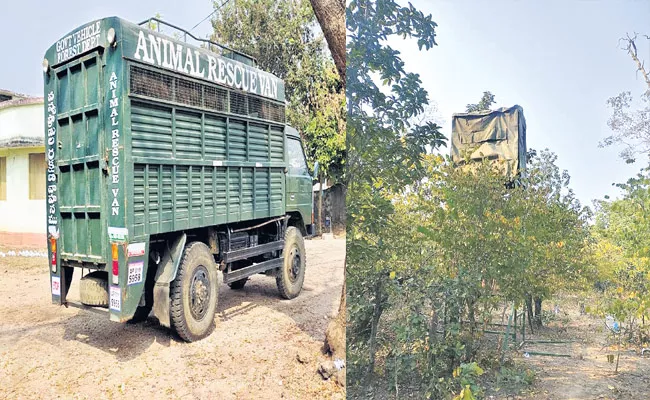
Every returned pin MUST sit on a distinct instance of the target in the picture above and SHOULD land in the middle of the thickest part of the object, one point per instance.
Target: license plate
(135, 273)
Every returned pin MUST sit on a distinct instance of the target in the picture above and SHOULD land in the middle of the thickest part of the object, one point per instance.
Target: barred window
(161, 86)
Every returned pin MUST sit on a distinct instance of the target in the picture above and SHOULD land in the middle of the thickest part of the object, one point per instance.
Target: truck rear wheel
(194, 293)
(291, 275)
(93, 289)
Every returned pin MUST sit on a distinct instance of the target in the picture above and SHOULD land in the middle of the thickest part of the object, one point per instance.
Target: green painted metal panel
(201, 192)
(76, 84)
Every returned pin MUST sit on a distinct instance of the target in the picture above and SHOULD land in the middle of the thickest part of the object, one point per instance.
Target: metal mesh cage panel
(238, 103)
(260, 108)
(216, 98)
(151, 84)
(157, 85)
(188, 92)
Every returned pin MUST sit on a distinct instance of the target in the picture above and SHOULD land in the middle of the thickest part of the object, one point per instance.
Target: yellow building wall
(18, 213)
(22, 221)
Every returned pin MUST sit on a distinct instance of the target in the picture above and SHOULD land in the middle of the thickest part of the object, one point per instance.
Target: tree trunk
(331, 17)
(320, 204)
(471, 317)
(335, 333)
(529, 311)
(378, 309)
(538, 312)
(433, 324)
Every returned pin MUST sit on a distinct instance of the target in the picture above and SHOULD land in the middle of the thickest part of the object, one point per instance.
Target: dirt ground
(47, 351)
(586, 374)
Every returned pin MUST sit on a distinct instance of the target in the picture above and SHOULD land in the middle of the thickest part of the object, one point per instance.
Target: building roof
(21, 141)
(25, 132)
(9, 95)
(20, 102)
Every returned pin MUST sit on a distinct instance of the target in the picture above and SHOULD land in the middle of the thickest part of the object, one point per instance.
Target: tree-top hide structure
(493, 135)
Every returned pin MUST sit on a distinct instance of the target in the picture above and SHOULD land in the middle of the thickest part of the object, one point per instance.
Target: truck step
(242, 254)
(96, 310)
(251, 270)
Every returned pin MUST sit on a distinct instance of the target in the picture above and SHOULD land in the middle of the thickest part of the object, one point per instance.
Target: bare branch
(632, 51)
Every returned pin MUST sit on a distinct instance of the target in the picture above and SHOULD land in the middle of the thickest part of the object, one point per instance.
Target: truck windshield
(297, 163)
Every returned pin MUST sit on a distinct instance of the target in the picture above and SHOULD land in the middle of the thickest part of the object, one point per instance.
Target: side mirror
(315, 173)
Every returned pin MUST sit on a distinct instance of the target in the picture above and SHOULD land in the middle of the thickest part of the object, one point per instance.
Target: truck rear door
(81, 168)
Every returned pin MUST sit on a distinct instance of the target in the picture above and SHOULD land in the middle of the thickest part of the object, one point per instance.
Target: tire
(194, 293)
(291, 275)
(238, 285)
(93, 289)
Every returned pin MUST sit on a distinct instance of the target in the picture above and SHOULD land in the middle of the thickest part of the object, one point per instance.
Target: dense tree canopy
(284, 38)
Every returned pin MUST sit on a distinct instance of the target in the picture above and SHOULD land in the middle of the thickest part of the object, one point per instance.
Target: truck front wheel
(291, 275)
(194, 293)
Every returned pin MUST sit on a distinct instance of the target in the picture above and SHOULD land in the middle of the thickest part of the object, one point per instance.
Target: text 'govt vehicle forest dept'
(169, 168)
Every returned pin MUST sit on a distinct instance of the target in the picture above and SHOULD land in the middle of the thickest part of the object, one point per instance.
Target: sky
(29, 27)
(559, 60)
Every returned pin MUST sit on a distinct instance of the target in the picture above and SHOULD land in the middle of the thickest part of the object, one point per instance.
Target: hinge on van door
(104, 164)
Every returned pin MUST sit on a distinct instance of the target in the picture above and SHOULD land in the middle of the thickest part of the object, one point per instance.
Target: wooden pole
(618, 352)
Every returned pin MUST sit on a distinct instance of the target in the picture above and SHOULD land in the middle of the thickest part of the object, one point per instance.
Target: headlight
(110, 36)
(46, 65)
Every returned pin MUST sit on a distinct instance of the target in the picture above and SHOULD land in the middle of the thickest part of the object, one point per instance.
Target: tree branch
(632, 51)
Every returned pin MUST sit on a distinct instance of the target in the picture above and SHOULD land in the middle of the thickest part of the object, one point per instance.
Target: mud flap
(164, 275)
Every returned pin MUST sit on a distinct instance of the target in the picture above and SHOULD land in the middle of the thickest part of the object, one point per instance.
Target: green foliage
(284, 38)
(278, 34)
(483, 105)
(622, 254)
(384, 155)
(526, 240)
(467, 374)
(433, 249)
(465, 394)
(153, 25)
(455, 245)
(512, 376)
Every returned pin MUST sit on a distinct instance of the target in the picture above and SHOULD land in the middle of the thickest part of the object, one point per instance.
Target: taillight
(312, 216)
(116, 268)
(53, 248)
